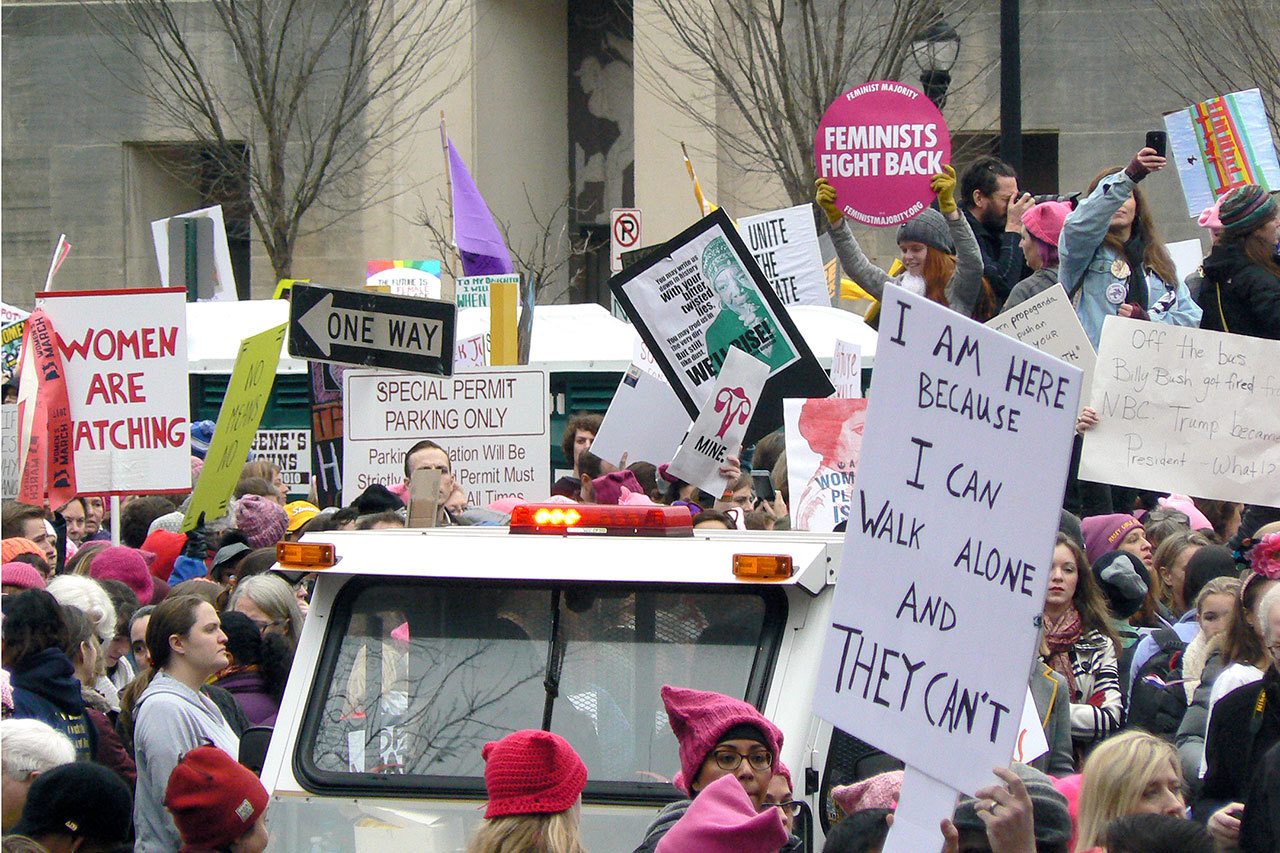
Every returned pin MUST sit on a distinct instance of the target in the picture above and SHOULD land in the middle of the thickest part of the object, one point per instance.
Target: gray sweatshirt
(963, 290)
(171, 719)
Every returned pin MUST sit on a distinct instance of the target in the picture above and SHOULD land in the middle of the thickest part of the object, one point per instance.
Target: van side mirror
(253, 747)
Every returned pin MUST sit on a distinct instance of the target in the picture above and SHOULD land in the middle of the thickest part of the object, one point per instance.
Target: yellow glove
(826, 199)
(944, 187)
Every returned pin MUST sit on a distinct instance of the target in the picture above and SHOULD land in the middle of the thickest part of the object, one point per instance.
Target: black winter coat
(1250, 295)
(1238, 740)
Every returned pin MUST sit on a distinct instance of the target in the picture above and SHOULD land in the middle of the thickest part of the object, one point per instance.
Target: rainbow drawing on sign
(404, 277)
(1222, 143)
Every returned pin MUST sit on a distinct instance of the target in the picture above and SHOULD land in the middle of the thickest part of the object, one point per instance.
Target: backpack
(1158, 700)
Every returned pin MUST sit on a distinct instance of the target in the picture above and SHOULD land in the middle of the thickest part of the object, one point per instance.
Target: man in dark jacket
(990, 201)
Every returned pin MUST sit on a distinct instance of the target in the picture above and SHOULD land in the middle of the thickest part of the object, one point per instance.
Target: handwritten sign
(824, 441)
(238, 419)
(1186, 410)
(1220, 144)
(879, 145)
(785, 245)
(404, 278)
(125, 354)
(846, 369)
(949, 545)
(494, 424)
(1047, 322)
(472, 291)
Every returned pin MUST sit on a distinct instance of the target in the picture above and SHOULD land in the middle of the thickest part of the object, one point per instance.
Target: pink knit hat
(263, 522)
(699, 719)
(608, 488)
(1044, 221)
(21, 575)
(722, 819)
(1182, 503)
(876, 792)
(1209, 218)
(1103, 533)
(123, 564)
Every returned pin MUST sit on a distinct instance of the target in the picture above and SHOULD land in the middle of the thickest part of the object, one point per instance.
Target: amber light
(602, 520)
(762, 567)
(305, 555)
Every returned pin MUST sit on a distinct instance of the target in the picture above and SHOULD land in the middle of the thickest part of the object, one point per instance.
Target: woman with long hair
(1241, 292)
(1113, 262)
(1080, 646)
(258, 670)
(940, 255)
(1131, 773)
(535, 781)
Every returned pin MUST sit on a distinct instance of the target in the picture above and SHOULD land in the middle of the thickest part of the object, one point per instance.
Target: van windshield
(416, 677)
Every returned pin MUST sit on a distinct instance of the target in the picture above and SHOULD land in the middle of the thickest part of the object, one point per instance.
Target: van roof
(492, 553)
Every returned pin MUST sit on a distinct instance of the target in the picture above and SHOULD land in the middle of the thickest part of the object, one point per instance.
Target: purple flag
(479, 241)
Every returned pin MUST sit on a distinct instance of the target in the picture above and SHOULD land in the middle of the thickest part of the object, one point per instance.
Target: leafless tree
(303, 102)
(778, 65)
(1211, 48)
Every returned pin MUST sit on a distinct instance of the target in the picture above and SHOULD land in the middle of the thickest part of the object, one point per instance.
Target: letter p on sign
(624, 234)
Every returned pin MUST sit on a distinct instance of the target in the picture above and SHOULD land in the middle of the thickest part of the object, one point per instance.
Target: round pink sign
(879, 145)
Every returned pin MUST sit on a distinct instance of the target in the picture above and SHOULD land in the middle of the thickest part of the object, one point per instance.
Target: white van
(422, 645)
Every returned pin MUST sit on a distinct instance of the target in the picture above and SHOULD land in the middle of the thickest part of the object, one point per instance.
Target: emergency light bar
(602, 520)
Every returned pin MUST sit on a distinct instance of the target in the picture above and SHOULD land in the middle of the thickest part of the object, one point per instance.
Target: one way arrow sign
(372, 329)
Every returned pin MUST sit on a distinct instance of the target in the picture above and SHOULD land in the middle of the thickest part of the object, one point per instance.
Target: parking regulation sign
(624, 234)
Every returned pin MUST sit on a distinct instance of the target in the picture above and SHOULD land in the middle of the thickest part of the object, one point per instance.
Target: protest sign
(11, 347)
(223, 275)
(846, 369)
(785, 245)
(645, 421)
(11, 314)
(1220, 144)
(1185, 410)
(922, 804)
(879, 144)
(125, 359)
(238, 419)
(1031, 742)
(1047, 322)
(824, 441)
(1187, 256)
(9, 451)
(493, 424)
(325, 395)
(472, 291)
(717, 432)
(290, 450)
(404, 278)
(947, 556)
(702, 295)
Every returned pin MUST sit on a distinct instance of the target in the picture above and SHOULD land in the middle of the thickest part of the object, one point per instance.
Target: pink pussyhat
(876, 792)
(722, 819)
(699, 719)
(1209, 217)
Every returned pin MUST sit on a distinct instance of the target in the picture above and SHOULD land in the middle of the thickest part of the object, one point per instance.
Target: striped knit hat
(1245, 208)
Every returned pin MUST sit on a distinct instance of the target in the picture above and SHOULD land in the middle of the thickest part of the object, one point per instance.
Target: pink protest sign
(878, 145)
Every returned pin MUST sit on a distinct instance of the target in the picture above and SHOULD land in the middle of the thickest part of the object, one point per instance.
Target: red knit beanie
(532, 772)
(213, 799)
(700, 718)
(167, 547)
(120, 563)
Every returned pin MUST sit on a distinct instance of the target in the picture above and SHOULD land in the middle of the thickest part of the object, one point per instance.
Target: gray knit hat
(930, 228)
(1049, 809)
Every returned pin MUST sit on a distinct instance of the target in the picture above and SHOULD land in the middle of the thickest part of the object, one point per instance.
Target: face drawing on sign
(832, 427)
(743, 321)
(735, 405)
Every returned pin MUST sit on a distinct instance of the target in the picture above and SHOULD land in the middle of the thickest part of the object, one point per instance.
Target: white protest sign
(718, 430)
(404, 277)
(1222, 143)
(846, 369)
(290, 449)
(472, 291)
(785, 245)
(493, 423)
(1031, 742)
(1187, 256)
(1185, 410)
(224, 275)
(949, 544)
(10, 314)
(125, 356)
(643, 359)
(824, 441)
(9, 450)
(1047, 322)
(645, 421)
(922, 804)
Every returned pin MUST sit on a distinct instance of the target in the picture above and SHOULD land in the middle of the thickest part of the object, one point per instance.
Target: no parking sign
(624, 234)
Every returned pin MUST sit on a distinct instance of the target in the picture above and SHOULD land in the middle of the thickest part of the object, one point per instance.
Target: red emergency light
(602, 520)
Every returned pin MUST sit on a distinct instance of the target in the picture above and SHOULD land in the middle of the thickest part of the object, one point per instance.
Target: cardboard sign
(645, 421)
(1185, 410)
(717, 432)
(1047, 322)
(879, 145)
(404, 278)
(125, 355)
(1220, 144)
(846, 369)
(785, 245)
(702, 295)
(949, 545)
(472, 291)
(290, 449)
(824, 442)
(238, 419)
(223, 274)
(9, 451)
(494, 425)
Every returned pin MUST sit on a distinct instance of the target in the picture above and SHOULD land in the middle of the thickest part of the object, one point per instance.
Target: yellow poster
(242, 408)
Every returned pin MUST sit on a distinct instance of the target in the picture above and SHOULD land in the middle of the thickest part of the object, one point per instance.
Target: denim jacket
(1085, 269)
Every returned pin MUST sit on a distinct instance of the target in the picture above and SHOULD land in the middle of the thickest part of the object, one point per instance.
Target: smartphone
(762, 484)
(1158, 141)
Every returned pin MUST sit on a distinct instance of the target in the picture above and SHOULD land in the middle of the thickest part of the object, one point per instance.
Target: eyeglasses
(790, 808)
(731, 759)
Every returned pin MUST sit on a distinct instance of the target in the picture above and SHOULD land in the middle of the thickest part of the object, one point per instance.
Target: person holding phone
(1112, 261)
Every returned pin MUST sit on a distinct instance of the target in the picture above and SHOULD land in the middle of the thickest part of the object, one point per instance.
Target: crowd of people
(131, 671)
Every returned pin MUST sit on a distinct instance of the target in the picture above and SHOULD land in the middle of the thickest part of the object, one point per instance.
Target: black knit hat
(81, 799)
